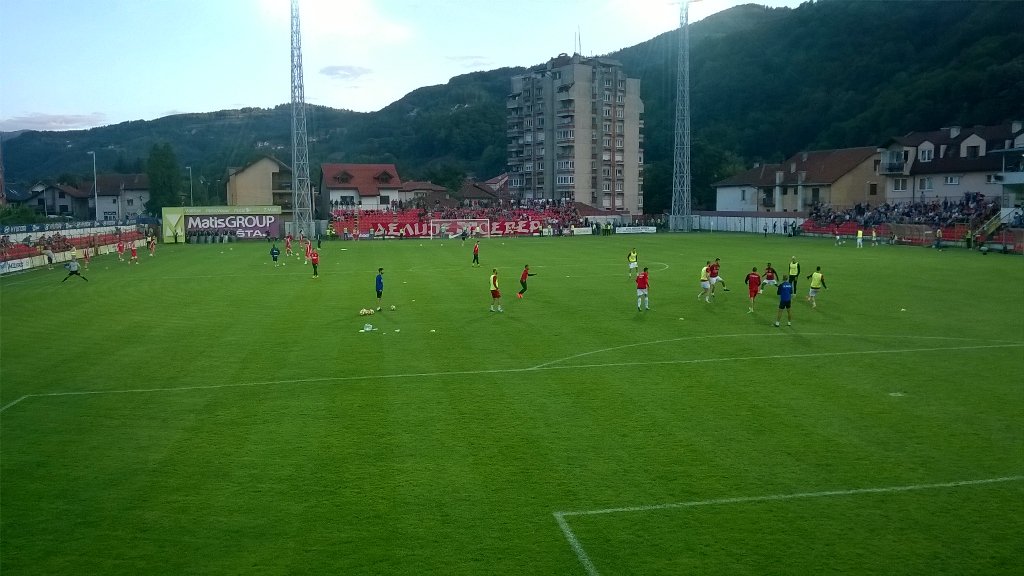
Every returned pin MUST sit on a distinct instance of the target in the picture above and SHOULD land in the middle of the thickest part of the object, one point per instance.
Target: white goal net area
(454, 228)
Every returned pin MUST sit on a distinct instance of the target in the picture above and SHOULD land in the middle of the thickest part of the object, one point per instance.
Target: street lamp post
(191, 202)
(95, 189)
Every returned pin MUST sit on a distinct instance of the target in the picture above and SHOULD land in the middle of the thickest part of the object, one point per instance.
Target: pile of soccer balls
(366, 312)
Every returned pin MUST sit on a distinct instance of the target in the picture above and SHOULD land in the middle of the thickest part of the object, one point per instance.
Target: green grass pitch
(206, 413)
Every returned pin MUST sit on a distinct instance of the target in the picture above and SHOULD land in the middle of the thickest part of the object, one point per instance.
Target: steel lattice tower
(302, 199)
(680, 218)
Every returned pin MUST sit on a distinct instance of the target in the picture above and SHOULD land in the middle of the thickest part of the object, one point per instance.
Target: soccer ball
(392, 306)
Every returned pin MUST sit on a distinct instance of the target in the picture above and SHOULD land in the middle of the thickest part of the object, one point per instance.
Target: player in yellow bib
(705, 283)
(817, 283)
(631, 260)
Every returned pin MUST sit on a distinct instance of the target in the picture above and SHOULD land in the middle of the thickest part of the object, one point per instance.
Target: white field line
(588, 564)
(496, 371)
(6, 406)
(758, 334)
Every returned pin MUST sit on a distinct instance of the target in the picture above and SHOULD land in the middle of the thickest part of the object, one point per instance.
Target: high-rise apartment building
(574, 132)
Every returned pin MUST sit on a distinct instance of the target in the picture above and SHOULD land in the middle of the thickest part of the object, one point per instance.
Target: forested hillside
(765, 83)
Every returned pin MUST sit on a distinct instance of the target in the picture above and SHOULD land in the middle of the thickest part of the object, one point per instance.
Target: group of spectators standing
(973, 208)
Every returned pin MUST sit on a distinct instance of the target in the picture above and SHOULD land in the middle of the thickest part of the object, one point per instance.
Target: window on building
(528, 167)
(899, 184)
(973, 151)
(622, 84)
(873, 189)
(618, 172)
(618, 142)
(130, 202)
(607, 186)
(607, 112)
(606, 172)
(607, 126)
(385, 200)
(607, 82)
(618, 185)
(743, 195)
(815, 195)
(619, 98)
(60, 195)
(619, 113)
(926, 154)
(952, 180)
(606, 142)
(619, 127)
(992, 178)
(924, 183)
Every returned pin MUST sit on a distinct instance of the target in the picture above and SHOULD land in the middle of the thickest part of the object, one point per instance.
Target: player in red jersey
(85, 257)
(120, 250)
(476, 253)
(314, 259)
(288, 245)
(642, 282)
(714, 278)
(152, 245)
(309, 251)
(135, 253)
(522, 280)
(771, 277)
(753, 282)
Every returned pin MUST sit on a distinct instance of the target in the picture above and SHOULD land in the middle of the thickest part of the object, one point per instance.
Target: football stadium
(205, 411)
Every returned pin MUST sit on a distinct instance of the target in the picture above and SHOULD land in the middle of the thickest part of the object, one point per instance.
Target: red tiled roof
(416, 185)
(760, 176)
(367, 179)
(825, 166)
(477, 191)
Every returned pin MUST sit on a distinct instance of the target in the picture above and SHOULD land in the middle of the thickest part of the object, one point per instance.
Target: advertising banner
(636, 230)
(256, 222)
(15, 265)
(58, 226)
(240, 225)
(424, 229)
(585, 231)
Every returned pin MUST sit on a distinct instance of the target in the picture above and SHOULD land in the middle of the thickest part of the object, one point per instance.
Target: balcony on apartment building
(892, 167)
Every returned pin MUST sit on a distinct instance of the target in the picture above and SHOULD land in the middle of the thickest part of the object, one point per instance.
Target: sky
(74, 64)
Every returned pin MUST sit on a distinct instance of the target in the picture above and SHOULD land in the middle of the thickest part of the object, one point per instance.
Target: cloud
(345, 72)
(58, 122)
(471, 62)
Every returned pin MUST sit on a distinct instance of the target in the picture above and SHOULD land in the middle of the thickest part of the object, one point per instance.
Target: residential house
(368, 186)
(952, 161)
(743, 192)
(476, 193)
(840, 178)
(58, 200)
(121, 196)
(413, 190)
(263, 182)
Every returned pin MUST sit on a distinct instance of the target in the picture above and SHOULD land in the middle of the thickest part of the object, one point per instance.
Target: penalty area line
(588, 564)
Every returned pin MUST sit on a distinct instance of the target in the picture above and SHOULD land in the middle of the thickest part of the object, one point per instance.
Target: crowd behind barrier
(561, 215)
(35, 245)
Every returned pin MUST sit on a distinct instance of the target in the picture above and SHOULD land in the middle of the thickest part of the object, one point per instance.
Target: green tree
(164, 179)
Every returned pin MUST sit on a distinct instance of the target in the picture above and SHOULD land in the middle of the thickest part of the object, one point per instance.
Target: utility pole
(302, 199)
(682, 211)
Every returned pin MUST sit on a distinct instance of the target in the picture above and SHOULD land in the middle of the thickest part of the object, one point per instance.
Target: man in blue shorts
(785, 292)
